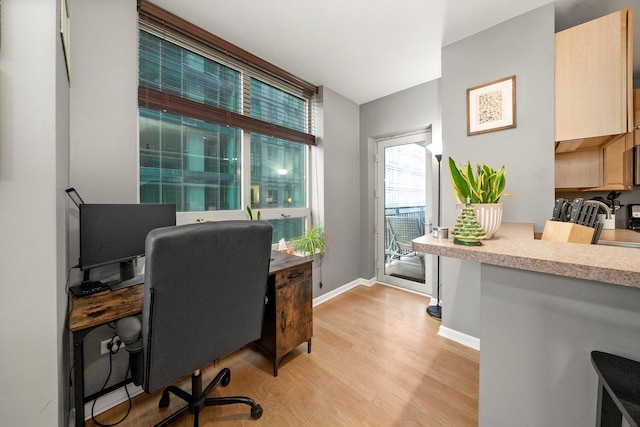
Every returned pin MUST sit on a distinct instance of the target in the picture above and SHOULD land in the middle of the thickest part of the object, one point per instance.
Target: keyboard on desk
(89, 287)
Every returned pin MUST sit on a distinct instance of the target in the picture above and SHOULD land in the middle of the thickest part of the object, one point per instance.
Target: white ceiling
(361, 49)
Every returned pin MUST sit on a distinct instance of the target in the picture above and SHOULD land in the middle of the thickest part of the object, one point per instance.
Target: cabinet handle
(293, 276)
(283, 316)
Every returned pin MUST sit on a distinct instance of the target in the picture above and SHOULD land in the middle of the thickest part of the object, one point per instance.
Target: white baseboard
(342, 289)
(459, 337)
(443, 331)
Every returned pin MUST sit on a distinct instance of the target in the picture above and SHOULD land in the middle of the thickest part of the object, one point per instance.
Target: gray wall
(340, 187)
(538, 331)
(522, 46)
(33, 235)
(411, 109)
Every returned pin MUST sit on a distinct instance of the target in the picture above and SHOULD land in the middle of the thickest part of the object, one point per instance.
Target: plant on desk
(311, 243)
(250, 212)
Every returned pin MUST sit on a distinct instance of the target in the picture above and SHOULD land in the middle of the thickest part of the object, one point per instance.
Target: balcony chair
(403, 230)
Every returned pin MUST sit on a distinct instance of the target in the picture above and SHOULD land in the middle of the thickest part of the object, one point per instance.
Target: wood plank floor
(376, 360)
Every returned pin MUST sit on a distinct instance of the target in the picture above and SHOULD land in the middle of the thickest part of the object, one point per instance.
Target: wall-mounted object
(491, 106)
(593, 81)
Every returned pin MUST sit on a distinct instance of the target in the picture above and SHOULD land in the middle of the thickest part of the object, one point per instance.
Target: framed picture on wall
(491, 106)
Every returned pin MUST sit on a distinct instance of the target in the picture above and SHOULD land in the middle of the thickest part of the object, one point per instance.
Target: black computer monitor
(116, 234)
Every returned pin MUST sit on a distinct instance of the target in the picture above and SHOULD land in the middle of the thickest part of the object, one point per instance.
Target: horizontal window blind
(189, 71)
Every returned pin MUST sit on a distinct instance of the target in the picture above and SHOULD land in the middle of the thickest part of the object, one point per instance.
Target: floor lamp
(436, 310)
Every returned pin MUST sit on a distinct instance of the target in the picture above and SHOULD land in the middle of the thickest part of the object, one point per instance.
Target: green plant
(250, 212)
(485, 186)
(311, 242)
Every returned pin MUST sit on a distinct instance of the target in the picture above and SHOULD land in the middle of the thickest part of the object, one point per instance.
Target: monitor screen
(112, 233)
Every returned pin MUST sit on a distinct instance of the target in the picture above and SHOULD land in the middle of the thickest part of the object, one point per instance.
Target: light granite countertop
(621, 236)
(514, 246)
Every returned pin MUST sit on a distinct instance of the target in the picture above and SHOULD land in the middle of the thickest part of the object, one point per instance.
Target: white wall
(33, 176)
(104, 100)
(104, 134)
(524, 47)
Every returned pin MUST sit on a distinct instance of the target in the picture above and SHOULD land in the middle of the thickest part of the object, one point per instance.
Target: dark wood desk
(288, 318)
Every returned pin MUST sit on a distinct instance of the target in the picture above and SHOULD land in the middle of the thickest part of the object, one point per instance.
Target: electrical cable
(111, 353)
(69, 299)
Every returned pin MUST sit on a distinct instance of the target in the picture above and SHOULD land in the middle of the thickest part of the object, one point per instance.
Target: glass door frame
(380, 221)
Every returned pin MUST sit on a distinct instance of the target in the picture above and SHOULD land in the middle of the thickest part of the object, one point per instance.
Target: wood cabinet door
(593, 78)
(294, 312)
(618, 163)
(579, 169)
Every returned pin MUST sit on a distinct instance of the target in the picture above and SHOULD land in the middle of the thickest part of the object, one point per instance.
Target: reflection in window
(278, 173)
(192, 163)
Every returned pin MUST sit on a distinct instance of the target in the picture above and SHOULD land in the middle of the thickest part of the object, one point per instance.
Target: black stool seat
(618, 389)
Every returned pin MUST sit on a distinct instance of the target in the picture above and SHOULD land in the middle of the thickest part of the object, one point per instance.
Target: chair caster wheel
(256, 412)
(164, 400)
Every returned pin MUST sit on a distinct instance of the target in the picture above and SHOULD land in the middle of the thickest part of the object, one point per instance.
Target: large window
(189, 162)
(219, 132)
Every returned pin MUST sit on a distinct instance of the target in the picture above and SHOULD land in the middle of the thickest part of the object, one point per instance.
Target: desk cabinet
(287, 321)
(288, 317)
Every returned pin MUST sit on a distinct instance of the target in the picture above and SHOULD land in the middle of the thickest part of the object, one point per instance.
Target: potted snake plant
(482, 187)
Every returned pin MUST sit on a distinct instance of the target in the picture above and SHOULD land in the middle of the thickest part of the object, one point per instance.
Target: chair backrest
(404, 229)
(205, 287)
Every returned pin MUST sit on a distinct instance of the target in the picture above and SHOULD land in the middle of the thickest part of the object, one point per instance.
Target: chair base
(197, 400)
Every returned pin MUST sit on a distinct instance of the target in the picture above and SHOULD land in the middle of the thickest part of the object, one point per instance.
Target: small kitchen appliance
(633, 217)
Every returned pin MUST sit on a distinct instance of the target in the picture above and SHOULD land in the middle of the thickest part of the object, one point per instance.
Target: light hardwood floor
(376, 360)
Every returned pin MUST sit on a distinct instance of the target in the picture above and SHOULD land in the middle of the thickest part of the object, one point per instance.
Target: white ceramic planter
(489, 216)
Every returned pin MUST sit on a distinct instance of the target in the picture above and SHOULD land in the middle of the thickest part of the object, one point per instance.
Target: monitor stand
(88, 287)
(128, 276)
(120, 284)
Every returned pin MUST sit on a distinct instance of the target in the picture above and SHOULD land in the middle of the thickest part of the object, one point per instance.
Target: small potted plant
(482, 187)
(250, 213)
(311, 243)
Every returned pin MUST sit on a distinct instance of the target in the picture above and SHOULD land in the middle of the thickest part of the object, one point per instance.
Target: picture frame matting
(492, 106)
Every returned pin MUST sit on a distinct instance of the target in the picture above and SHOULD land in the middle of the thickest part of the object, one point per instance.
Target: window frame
(193, 38)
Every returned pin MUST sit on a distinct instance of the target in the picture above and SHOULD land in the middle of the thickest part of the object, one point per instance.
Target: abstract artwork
(491, 106)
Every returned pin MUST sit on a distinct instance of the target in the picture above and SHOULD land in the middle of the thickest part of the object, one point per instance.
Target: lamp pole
(435, 311)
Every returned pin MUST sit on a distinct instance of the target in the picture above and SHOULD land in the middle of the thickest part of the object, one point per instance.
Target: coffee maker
(633, 217)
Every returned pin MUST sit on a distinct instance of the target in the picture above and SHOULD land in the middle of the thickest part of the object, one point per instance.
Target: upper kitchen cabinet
(594, 82)
(608, 166)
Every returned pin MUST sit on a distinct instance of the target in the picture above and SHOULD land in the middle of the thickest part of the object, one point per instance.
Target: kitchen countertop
(514, 246)
(621, 236)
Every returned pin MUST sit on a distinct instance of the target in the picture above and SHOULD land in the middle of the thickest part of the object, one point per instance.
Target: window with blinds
(202, 103)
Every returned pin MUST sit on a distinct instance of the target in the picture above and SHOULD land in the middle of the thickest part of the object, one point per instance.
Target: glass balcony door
(403, 179)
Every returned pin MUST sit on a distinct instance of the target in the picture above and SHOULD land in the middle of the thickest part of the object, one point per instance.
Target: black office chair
(205, 287)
